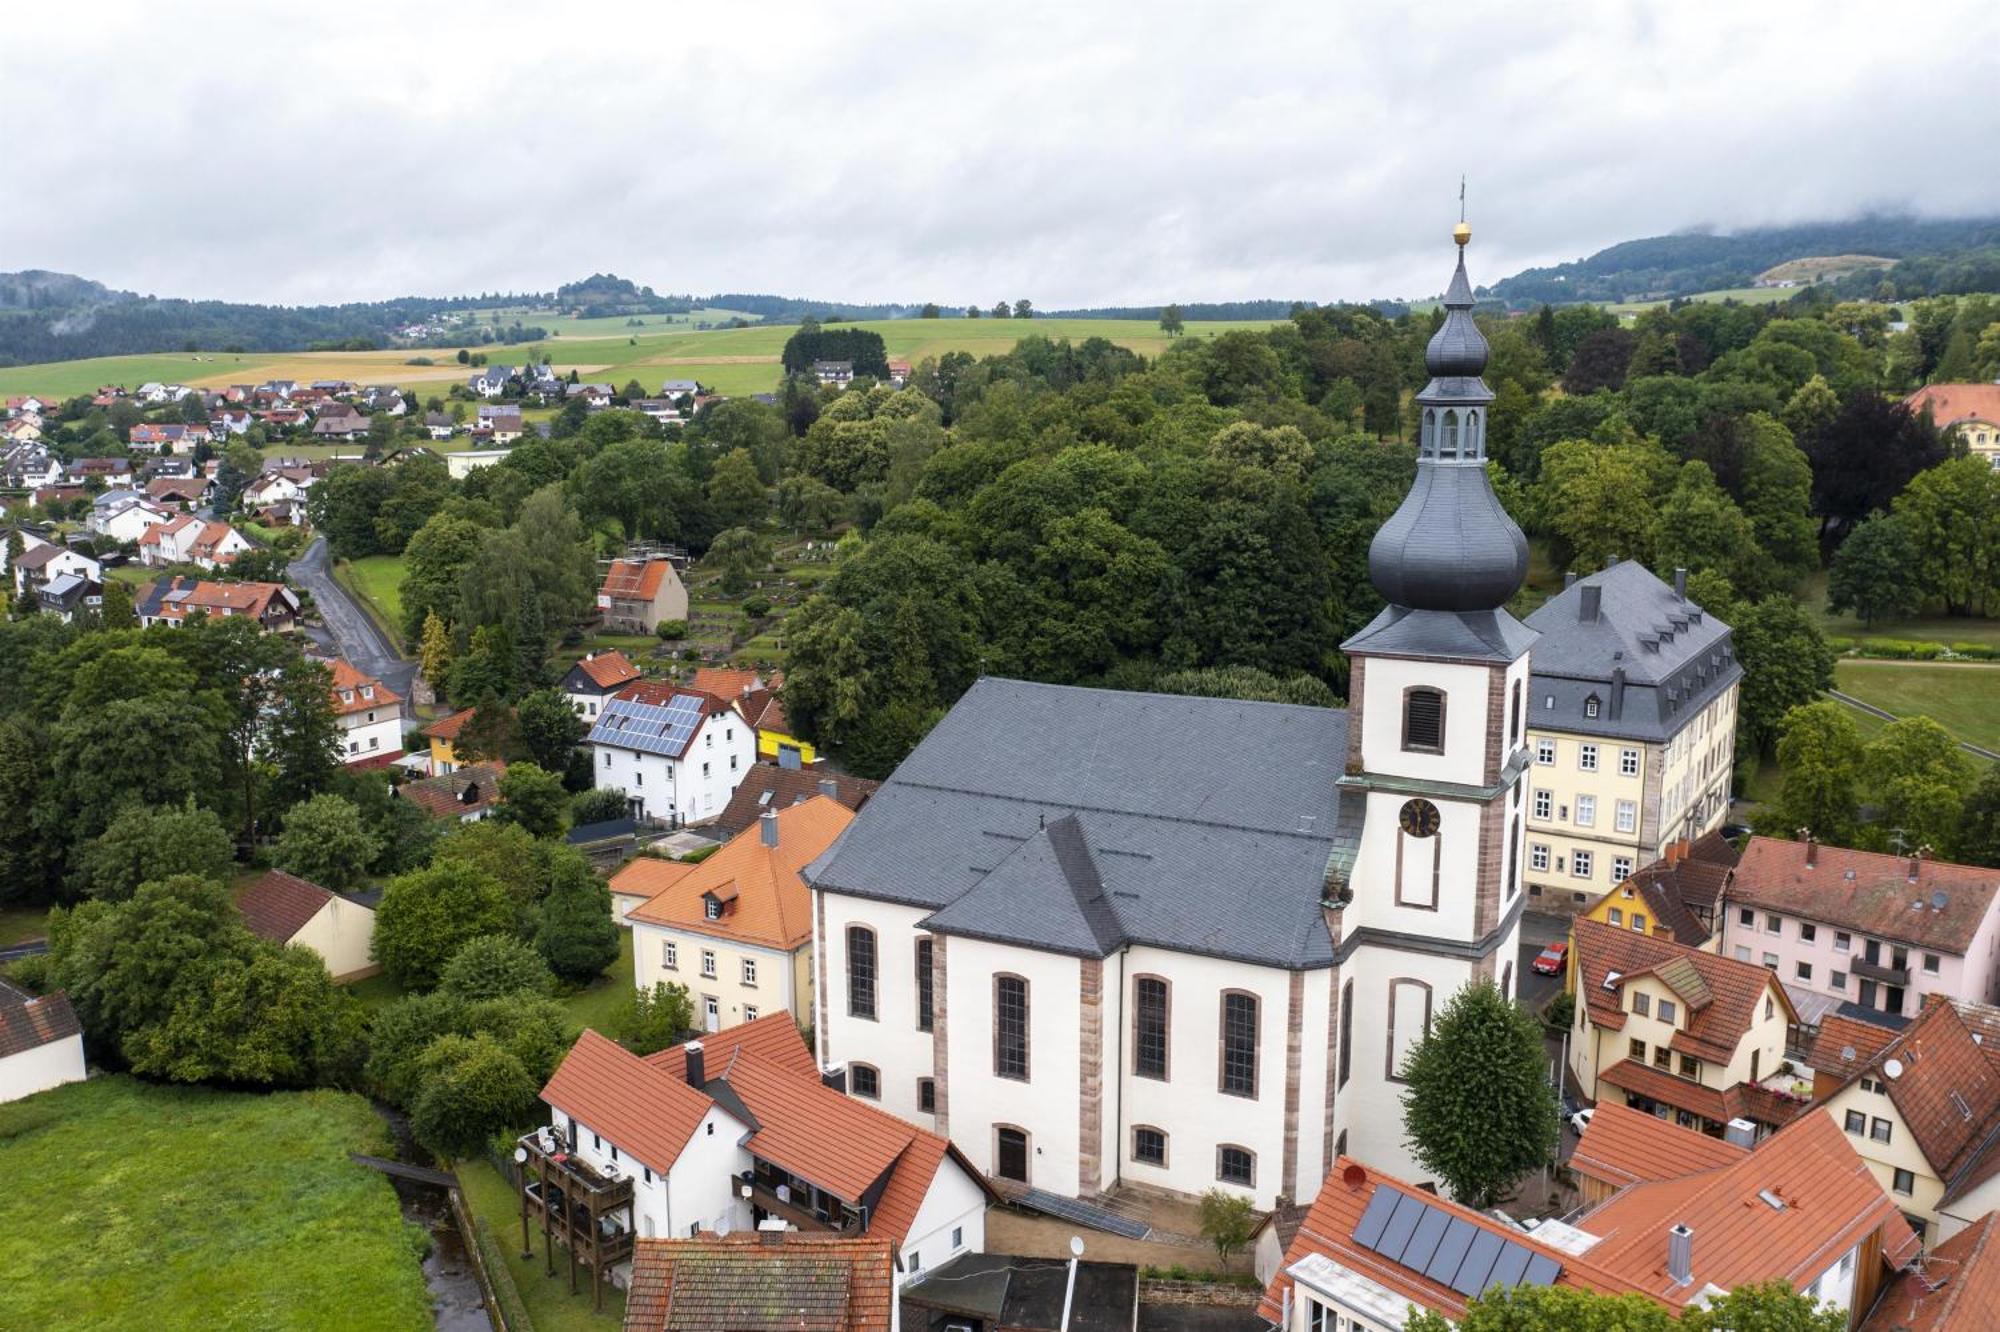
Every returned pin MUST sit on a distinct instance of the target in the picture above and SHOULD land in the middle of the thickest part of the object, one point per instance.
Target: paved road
(15, 952)
(360, 641)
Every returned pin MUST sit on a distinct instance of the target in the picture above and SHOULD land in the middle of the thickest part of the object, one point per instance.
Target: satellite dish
(1846, 1054)
(1076, 1246)
(1938, 899)
(1354, 1176)
(1893, 1067)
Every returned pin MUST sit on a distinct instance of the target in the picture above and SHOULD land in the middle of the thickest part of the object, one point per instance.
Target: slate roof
(1624, 1146)
(1489, 636)
(1882, 899)
(278, 905)
(1954, 1288)
(1691, 660)
(1209, 823)
(768, 786)
(28, 1022)
(740, 1283)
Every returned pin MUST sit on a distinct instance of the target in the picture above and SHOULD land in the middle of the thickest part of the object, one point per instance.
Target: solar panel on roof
(1451, 1249)
(1396, 1235)
(1542, 1270)
(1509, 1267)
(1381, 1207)
(1470, 1278)
(1424, 1242)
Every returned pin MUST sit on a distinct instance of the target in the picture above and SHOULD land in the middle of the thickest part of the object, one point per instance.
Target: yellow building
(1680, 1033)
(1971, 412)
(1631, 732)
(736, 928)
(1922, 1112)
(442, 734)
(1676, 897)
(757, 702)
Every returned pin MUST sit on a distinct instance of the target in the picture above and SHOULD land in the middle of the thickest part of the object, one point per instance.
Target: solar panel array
(1450, 1250)
(647, 727)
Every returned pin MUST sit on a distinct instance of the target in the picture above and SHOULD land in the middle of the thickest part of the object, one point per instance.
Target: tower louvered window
(1423, 720)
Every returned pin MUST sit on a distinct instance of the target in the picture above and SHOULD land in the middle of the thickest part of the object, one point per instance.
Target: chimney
(1916, 865)
(829, 788)
(1680, 1255)
(696, 1069)
(1569, 579)
(1587, 607)
(1812, 847)
(1617, 692)
(771, 1230)
(767, 826)
(1680, 585)
(1611, 560)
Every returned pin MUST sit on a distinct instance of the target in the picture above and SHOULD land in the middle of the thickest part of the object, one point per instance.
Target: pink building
(1877, 930)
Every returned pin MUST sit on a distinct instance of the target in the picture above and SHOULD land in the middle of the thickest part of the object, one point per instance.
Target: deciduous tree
(427, 915)
(1819, 752)
(1478, 1110)
(326, 842)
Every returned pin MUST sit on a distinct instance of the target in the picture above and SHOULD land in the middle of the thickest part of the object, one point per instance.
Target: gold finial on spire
(1461, 233)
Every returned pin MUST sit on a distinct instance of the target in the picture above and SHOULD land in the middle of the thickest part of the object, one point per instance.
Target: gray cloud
(1075, 154)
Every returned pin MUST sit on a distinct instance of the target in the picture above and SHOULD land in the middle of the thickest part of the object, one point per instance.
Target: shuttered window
(1423, 720)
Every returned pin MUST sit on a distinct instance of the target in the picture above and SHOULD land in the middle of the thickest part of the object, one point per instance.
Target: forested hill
(1682, 265)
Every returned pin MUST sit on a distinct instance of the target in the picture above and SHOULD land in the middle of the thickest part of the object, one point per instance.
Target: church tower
(1425, 894)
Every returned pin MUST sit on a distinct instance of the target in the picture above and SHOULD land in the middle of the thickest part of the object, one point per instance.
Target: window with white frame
(1627, 816)
(1545, 752)
(1545, 804)
(1628, 763)
(708, 962)
(749, 971)
(1621, 868)
(1580, 864)
(670, 955)
(1538, 856)
(1586, 811)
(1586, 757)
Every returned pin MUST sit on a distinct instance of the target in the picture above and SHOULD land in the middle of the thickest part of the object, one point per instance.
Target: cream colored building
(1969, 412)
(736, 928)
(289, 910)
(1631, 732)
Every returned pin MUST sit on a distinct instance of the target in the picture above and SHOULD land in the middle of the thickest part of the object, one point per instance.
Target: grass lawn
(547, 1298)
(1964, 699)
(135, 1205)
(20, 924)
(1925, 628)
(378, 581)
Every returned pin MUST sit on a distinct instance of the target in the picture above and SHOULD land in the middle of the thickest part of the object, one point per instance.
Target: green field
(1964, 698)
(378, 581)
(732, 361)
(19, 924)
(1928, 628)
(135, 1205)
(1741, 295)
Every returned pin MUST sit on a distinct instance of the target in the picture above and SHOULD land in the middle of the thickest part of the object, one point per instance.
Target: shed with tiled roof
(734, 1283)
(286, 909)
(41, 1042)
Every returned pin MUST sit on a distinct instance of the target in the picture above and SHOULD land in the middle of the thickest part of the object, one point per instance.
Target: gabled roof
(768, 786)
(1745, 1100)
(654, 718)
(748, 1283)
(1047, 893)
(176, 597)
(453, 795)
(1687, 880)
(1927, 903)
(1624, 1146)
(347, 679)
(724, 682)
(1955, 1287)
(1944, 1087)
(447, 728)
(1952, 403)
(773, 1038)
(635, 580)
(606, 670)
(769, 902)
(1843, 1046)
(647, 1111)
(28, 1022)
(278, 905)
(1721, 994)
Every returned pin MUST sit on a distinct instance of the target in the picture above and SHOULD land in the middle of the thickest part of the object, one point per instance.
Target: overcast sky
(1074, 154)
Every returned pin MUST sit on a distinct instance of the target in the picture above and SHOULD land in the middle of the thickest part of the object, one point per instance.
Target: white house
(127, 517)
(596, 677)
(676, 753)
(186, 539)
(274, 485)
(467, 461)
(370, 715)
(738, 1128)
(42, 561)
(492, 381)
(41, 1042)
(1105, 939)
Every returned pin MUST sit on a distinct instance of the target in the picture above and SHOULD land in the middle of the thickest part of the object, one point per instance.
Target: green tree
(117, 612)
(1001, 310)
(534, 798)
(741, 555)
(1918, 778)
(1820, 754)
(1770, 1306)
(1227, 1221)
(1478, 1109)
(433, 565)
(146, 843)
(1248, 682)
(434, 650)
(326, 842)
(1698, 527)
(1549, 1309)
(1978, 838)
(548, 729)
(1024, 309)
(1786, 664)
(1776, 496)
(1875, 573)
(1597, 500)
(1170, 321)
(258, 1014)
(471, 1089)
(649, 1021)
(577, 933)
(736, 492)
(809, 504)
(493, 966)
(1952, 514)
(427, 915)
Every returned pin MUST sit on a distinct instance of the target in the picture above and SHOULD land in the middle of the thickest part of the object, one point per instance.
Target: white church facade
(1101, 938)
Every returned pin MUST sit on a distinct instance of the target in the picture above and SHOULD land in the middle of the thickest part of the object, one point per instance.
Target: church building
(1102, 938)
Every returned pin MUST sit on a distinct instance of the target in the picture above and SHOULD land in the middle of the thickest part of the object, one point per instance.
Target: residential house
(676, 753)
(440, 425)
(52, 495)
(171, 600)
(370, 716)
(837, 373)
(502, 420)
(342, 424)
(28, 467)
(1621, 1147)
(492, 381)
(230, 421)
(30, 402)
(275, 485)
(1676, 896)
(663, 410)
(384, 399)
(1632, 720)
(41, 1042)
(768, 786)
(467, 792)
(443, 734)
(1924, 1112)
(289, 910)
(1968, 412)
(181, 492)
(1844, 1043)
(465, 462)
(66, 594)
(21, 430)
(41, 562)
(736, 928)
(594, 678)
(1954, 1287)
(757, 703)
(1672, 1030)
(679, 388)
(899, 373)
(127, 517)
(638, 595)
(1800, 1208)
(113, 473)
(593, 396)
(1883, 931)
(683, 1135)
(186, 539)
(830, 1283)
(173, 435)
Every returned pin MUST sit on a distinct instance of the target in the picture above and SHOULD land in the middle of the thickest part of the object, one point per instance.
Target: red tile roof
(1952, 403)
(816, 1132)
(1843, 1046)
(28, 1022)
(1945, 1089)
(724, 682)
(350, 682)
(768, 901)
(278, 905)
(768, 786)
(1882, 898)
(634, 580)
(1624, 1146)
(447, 728)
(1954, 1288)
(773, 1038)
(1721, 994)
(742, 1283)
(608, 670)
(647, 1111)
(1745, 1100)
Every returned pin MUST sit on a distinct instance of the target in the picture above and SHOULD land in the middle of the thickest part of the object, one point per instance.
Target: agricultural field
(1820, 267)
(1741, 295)
(1963, 697)
(733, 361)
(130, 1204)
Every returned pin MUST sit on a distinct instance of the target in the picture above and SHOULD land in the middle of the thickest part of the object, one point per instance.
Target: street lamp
(1069, 1291)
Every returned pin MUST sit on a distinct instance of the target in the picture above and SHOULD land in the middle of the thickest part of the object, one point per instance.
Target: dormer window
(712, 908)
(1590, 706)
(1423, 721)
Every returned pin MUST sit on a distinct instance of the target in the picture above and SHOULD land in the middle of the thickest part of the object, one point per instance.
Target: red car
(1549, 962)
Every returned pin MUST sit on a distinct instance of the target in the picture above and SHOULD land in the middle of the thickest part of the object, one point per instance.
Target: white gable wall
(954, 1202)
(41, 1068)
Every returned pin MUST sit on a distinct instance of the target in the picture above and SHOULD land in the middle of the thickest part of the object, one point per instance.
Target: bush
(326, 842)
(1559, 1012)
(651, 1020)
(493, 966)
(427, 915)
(757, 607)
(672, 631)
(1227, 1220)
(471, 1089)
(597, 805)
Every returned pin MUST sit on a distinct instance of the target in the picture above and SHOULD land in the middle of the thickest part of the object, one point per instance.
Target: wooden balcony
(573, 1204)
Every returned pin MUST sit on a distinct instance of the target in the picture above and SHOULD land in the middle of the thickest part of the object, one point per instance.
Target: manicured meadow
(1964, 698)
(130, 1204)
(378, 581)
(1741, 295)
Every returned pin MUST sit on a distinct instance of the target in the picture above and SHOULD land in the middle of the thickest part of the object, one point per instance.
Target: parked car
(1549, 962)
(1736, 831)
(1581, 1121)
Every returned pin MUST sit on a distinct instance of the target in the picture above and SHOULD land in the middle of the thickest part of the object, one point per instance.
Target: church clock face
(1420, 818)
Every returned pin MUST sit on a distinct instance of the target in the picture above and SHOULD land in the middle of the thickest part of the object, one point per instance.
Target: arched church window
(1472, 434)
(1423, 720)
(1448, 443)
(1429, 447)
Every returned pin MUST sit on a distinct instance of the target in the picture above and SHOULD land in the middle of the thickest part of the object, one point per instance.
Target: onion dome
(1450, 546)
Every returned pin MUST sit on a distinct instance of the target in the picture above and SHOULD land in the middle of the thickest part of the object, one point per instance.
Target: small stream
(458, 1304)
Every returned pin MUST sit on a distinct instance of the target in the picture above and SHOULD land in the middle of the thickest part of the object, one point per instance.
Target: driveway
(360, 641)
